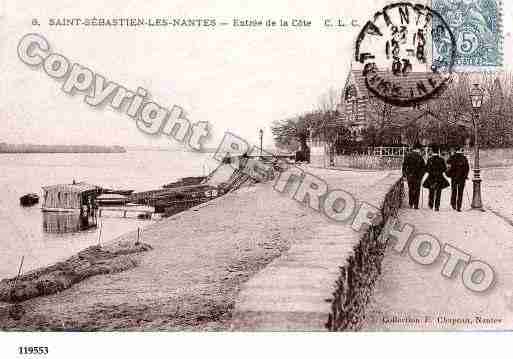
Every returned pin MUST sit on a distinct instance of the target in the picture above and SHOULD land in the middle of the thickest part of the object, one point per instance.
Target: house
(362, 109)
(78, 198)
(64, 197)
(359, 110)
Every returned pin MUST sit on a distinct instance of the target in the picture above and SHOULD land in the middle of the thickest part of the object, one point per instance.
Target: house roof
(403, 116)
(421, 115)
(77, 187)
(405, 82)
(358, 80)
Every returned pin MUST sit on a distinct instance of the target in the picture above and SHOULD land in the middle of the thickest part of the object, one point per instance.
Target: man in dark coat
(414, 168)
(435, 181)
(458, 172)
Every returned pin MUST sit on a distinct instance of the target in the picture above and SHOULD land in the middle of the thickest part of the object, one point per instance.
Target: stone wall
(355, 284)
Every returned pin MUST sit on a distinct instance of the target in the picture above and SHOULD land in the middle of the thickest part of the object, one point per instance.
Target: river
(21, 228)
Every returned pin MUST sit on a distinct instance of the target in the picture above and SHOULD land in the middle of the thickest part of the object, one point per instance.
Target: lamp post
(261, 132)
(476, 98)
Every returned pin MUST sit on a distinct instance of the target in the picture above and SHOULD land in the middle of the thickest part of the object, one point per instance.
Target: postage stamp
(399, 59)
(477, 27)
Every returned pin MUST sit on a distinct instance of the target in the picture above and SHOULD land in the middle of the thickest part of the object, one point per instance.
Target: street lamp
(261, 139)
(476, 98)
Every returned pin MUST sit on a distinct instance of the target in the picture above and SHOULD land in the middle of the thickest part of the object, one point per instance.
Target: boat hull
(29, 200)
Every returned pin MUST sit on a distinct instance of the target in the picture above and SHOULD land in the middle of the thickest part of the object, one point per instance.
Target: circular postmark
(406, 53)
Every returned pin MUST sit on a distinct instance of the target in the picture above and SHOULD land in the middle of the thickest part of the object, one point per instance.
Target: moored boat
(124, 192)
(111, 199)
(186, 181)
(29, 199)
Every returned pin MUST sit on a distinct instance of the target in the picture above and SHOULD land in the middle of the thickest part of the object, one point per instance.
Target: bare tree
(329, 100)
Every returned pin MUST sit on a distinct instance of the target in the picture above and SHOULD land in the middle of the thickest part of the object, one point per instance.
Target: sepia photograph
(205, 173)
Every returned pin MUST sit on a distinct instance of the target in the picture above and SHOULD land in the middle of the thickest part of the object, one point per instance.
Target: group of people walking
(415, 168)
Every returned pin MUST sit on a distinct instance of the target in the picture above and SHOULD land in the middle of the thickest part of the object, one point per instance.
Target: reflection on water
(65, 222)
(44, 239)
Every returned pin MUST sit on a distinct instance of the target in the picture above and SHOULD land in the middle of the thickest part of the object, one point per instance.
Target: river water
(21, 228)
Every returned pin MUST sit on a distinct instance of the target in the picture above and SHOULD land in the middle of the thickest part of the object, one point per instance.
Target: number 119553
(28, 350)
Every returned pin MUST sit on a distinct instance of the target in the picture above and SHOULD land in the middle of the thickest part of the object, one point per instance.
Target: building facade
(360, 116)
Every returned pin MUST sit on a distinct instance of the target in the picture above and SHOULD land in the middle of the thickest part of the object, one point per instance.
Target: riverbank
(95, 260)
(30, 148)
(21, 228)
(301, 290)
(192, 277)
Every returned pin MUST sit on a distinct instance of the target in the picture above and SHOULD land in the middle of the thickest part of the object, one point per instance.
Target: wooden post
(138, 234)
(100, 235)
(17, 276)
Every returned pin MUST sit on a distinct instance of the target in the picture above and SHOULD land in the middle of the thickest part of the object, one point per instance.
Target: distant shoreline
(29, 148)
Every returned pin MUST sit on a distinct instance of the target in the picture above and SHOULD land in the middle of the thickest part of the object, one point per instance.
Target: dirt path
(294, 291)
(191, 278)
(411, 296)
(187, 281)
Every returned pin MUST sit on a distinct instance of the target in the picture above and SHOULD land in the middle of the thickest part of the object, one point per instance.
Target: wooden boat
(112, 199)
(186, 181)
(29, 199)
(124, 192)
(129, 209)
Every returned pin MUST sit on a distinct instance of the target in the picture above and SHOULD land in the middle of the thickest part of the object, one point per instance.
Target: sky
(237, 79)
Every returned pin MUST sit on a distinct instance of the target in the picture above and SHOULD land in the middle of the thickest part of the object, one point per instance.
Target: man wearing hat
(435, 181)
(458, 172)
(414, 168)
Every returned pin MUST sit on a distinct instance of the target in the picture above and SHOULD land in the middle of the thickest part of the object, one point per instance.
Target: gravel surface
(191, 278)
(497, 190)
(187, 281)
(411, 296)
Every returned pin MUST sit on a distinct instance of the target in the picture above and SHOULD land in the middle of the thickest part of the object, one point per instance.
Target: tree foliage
(451, 111)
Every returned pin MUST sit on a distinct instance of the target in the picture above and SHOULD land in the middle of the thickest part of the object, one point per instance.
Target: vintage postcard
(237, 166)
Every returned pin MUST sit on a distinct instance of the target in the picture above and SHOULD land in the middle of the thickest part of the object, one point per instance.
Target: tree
(495, 125)
(383, 126)
(293, 133)
(286, 133)
(329, 100)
